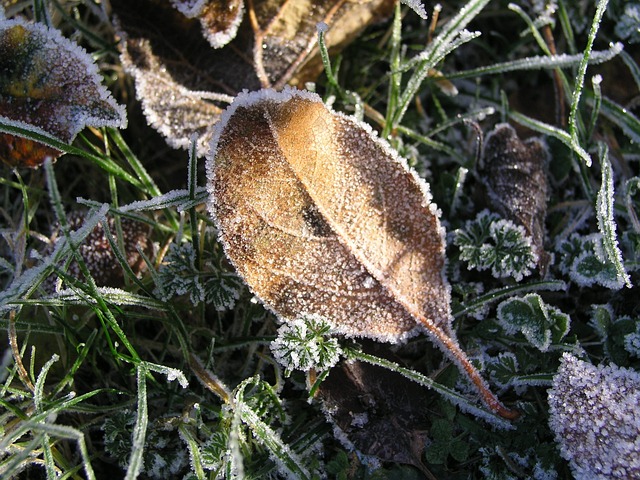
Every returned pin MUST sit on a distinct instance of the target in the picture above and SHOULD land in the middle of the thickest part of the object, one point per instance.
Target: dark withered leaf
(183, 82)
(285, 34)
(50, 84)
(320, 216)
(377, 411)
(514, 173)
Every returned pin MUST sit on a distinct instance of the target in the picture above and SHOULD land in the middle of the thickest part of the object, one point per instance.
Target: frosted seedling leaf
(320, 216)
(515, 176)
(489, 242)
(50, 83)
(301, 345)
(595, 418)
(538, 322)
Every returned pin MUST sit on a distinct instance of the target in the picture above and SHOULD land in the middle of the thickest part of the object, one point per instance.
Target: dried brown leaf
(515, 176)
(319, 216)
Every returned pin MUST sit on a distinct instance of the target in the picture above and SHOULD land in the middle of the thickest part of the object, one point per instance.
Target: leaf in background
(285, 34)
(514, 173)
(183, 82)
(375, 409)
(50, 83)
(219, 19)
(319, 216)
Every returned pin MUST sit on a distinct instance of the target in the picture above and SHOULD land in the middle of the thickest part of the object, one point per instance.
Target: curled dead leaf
(319, 215)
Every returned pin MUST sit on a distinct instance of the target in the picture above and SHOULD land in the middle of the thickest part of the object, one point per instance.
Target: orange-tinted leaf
(515, 175)
(319, 216)
(50, 83)
(183, 82)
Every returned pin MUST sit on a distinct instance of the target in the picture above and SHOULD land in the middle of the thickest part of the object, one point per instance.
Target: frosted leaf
(514, 173)
(97, 253)
(318, 215)
(174, 110)
(606, 222)
(489, 242)
(178, 274)
(52, 84)
(301, 345)
(220, 19)
(538, 322)
(183, 82)
(628, 26)
(595, 418)
(222, 289)
(632, 341)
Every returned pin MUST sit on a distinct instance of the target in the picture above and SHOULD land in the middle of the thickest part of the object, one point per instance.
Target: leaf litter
(318, 215)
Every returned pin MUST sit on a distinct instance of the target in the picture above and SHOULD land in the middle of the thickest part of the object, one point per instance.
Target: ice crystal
(302, 344)
(416, 6)
(491, 242)
(595, 418)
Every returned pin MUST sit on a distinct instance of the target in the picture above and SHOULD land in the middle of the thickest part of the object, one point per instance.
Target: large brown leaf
(181, 79)
(320, 216)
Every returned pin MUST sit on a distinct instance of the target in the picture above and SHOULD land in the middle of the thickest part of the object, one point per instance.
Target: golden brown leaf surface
(319, 216)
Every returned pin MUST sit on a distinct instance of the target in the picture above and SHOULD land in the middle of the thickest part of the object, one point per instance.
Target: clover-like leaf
(320, 216)
(48, 84)
(539, 323)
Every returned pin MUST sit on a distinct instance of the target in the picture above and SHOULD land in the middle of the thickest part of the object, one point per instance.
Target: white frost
(595, 417)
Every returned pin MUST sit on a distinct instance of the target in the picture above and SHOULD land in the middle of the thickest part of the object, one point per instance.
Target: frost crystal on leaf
(178, 274)
(595, 418)
(540, 323)
(490, 242)
(302, 345)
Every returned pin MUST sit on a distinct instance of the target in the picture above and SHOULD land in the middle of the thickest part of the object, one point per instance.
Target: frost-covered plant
(595, 418)
(304, 344)
(491, 242)
(632, 341)
(178, 275)
(628, 26)
(583, 259)
(540, 323)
